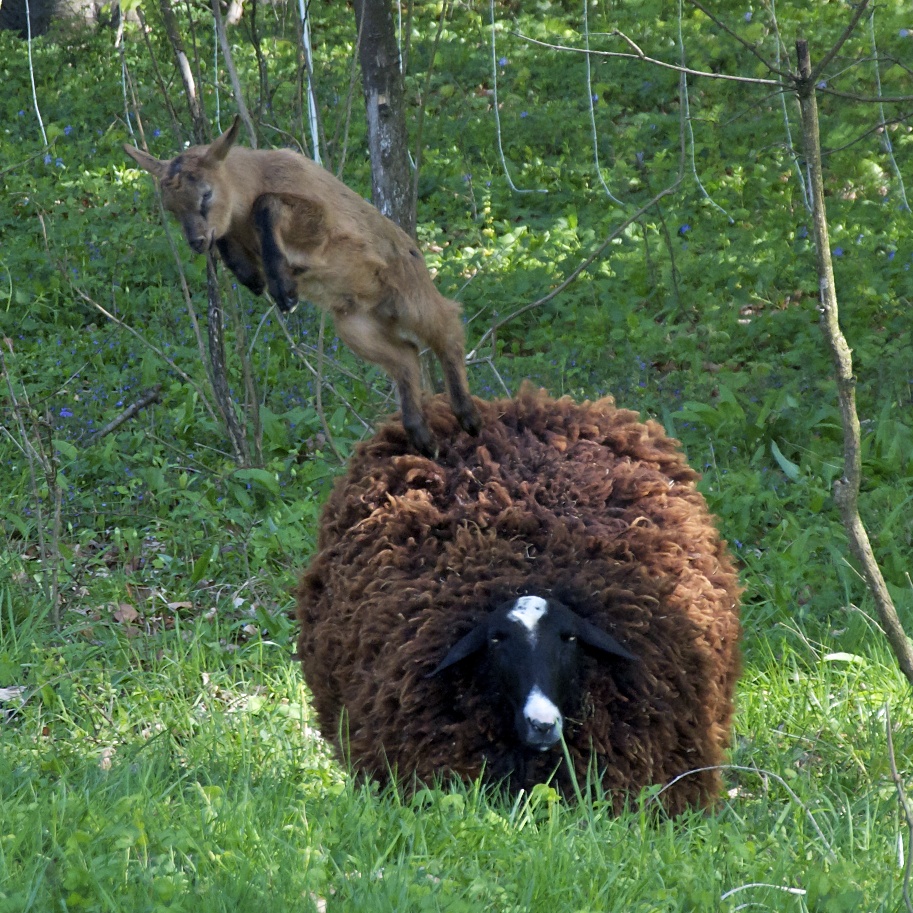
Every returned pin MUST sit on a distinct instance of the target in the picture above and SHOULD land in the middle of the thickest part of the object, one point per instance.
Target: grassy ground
(155, 748)
(170, 772)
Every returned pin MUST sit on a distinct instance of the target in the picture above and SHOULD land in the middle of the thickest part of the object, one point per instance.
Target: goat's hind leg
(448, 342)
(267, 212)
(374, 342)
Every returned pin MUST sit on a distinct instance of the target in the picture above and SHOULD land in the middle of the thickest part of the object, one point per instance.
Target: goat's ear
(596, 638)
(155, 167)
(463, 648)
(219, 147)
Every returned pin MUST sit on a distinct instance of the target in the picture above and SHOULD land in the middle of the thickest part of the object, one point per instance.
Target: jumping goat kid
(283, 223)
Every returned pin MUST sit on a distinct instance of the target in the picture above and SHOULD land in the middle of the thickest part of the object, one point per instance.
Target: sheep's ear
(596, 638)
(155, 167)
(219, 147)
(471, 643)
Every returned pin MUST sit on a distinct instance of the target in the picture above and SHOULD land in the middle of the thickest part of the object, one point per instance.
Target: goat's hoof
(422, 441)
(470, 422)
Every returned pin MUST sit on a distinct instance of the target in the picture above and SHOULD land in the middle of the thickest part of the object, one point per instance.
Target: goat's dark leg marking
(449, 352)
(279, 280)
(408, 385)
(236, 259)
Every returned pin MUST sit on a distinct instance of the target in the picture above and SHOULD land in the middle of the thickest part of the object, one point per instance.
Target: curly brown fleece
(580, 501)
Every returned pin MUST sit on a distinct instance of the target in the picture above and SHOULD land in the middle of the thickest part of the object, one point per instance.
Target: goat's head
(195, 188)
(530, 651)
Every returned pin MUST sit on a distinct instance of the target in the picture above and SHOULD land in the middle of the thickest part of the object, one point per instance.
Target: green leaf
(200, 565)
(261, 477)
(790, 469)
(65, 448)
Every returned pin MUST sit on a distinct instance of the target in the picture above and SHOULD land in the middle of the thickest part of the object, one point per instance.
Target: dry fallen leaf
(125, 613)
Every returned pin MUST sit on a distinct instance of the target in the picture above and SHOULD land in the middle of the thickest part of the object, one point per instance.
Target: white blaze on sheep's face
(544, 719)
(527, 611)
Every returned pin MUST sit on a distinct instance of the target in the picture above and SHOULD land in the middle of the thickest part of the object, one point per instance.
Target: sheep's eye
(207, 199)
(495, 639)
(569, 638)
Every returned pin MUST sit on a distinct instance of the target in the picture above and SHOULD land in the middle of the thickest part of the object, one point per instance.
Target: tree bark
(382, 83)
(846, 489)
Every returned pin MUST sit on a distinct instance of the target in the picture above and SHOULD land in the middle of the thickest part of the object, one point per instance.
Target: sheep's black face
(531, 648)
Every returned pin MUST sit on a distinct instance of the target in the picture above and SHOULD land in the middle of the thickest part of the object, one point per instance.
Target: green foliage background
(163, 757)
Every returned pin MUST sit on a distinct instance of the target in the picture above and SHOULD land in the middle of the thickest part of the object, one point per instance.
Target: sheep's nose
(198, 245)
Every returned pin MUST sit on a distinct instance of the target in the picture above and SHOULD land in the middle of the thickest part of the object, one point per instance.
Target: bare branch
(835, 50)
(869, 99)
(745, 44)
(560, 288)
(151, 346)
(744, 80)
(233, 75)
(879, 126)
(152, 395)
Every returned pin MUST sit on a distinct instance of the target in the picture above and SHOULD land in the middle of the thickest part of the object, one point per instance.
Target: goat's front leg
(236, 258)
(267, 211)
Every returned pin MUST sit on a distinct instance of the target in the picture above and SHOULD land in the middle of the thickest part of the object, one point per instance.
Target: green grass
(171, 771)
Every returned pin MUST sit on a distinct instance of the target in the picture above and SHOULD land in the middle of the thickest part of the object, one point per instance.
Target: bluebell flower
(684, 229)
(524, 114)
(891, 254)
(748, 16)
(66, 413)
(59, 163)
(803, 232)
(904, 33)
(822, 84)
(838, 251)
(67, 130)
(156, 132)
(595, 97)
(502, 61)
(22, 113)
(48, 158)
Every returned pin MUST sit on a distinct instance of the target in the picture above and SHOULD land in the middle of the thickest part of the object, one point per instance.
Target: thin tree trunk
(218, 374)
(382, 82)
(172, 30)
(846, 489)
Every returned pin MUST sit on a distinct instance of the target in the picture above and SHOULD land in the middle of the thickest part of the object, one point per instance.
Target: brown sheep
(591, 515)
(282, 222)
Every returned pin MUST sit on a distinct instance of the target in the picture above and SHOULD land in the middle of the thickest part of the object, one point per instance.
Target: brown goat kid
(282, 222)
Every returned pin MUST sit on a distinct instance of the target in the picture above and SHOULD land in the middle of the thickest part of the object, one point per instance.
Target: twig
(297, 350)
(426, 91)
(320, 412)
(799, 892)
(745, 44)
(640, 55)
(904, 804)
(233, 74)
(182, 374)
(560, 288)
(150, 396)
(496, 111)
(815, 74)
(761, 773)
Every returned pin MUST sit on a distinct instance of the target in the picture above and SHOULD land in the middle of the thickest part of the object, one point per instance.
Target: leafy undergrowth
(155, 749)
